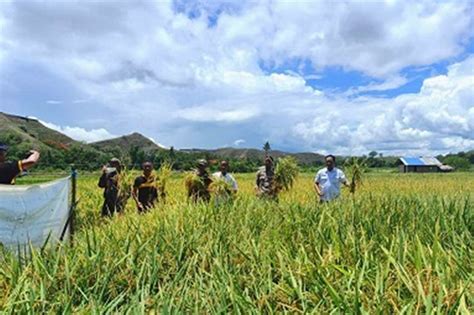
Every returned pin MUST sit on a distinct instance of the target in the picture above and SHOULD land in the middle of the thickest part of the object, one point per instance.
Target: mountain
(24, 130)
(304, 158)
(126, 143)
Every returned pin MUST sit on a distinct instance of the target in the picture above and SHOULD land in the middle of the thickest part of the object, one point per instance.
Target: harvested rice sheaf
(286, 172)
(193, 182)
(355, 168)
(125, 187)
(163, 175)
(220, 187)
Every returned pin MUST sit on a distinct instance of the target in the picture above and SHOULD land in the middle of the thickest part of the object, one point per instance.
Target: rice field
(403, 244)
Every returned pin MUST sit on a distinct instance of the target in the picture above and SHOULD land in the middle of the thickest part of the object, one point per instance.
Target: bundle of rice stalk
(286, 172)
(125, 188)
(219, 187)
(193, 183)
(355, 168)
(162, 176)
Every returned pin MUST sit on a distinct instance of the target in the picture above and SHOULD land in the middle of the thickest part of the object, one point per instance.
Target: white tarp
(32, 213)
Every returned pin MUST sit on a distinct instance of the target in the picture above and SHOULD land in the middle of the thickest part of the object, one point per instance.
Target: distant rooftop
(420, 161)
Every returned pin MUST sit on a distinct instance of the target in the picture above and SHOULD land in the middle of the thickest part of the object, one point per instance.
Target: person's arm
(103, 178)
(135, 195)
(318, 190)
(317, 187)
(257, 182)
(344, 180)
(30, 161)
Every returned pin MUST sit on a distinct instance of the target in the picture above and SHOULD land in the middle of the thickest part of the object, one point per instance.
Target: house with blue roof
(422, 165)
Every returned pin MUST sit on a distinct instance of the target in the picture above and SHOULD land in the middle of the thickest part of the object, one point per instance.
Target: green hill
(58, 151)
(305, 158)
(126, 143)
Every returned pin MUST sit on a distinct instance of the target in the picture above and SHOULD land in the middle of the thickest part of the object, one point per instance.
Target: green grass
(402, 244)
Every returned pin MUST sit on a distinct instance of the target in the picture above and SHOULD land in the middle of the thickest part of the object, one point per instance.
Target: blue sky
(339, 77)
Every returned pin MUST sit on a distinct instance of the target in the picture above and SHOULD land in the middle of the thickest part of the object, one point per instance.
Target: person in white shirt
(224, 174)
(328, 180)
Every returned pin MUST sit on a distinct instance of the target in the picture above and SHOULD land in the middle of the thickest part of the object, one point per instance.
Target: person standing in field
(328, 180)
(110, 182)
(224, 175)
(201, 191)
(145, 192)
(9, 170)
(265, 181)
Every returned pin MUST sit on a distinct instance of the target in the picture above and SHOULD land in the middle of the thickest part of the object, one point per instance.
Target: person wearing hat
(201, 192)
(110, 182)
(9, 170)
(145, 192)
(265, 180)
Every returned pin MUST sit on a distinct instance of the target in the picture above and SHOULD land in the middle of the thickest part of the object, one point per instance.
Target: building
(422, 165)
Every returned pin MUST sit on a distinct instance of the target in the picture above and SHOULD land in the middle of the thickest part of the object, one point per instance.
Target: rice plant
(162, 177)
(404, 246)
(286, 172)
(355, 168)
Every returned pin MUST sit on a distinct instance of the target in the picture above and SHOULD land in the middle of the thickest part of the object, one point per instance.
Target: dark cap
(3, 147)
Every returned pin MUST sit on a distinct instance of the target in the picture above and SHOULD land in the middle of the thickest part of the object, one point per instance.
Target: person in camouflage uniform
(201, 192)
(265, 182)
(110, 182)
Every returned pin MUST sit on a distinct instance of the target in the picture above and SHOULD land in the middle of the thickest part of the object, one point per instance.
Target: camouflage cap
(115, 160)
(202, 162)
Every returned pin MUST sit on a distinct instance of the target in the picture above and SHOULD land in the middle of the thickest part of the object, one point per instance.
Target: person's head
(268, 161)
(115, 163)
(202, 165)
(330, 161)
(3, 152)
(224, 167)
(147, 168)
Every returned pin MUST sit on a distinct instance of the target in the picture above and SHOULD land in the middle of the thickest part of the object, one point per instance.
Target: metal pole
(73, 201)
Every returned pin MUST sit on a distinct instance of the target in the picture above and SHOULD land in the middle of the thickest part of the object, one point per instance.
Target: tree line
(89, 158)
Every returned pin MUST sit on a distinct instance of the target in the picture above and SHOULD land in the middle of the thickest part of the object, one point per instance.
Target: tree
(372, 154)
(266, 147)
(457, 162)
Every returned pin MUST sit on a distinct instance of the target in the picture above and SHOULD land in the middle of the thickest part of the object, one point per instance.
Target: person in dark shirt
(110, 182)
(144, 190)
(9, 170)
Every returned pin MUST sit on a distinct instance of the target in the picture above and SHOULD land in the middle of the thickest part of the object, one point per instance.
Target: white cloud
(53, 102)
(239, 142)
(148, 68)
(81, 134)
(205, 114)
(157, 143)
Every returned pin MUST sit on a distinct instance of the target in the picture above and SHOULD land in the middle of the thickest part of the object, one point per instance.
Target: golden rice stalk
(125, 187)
(286, 172)
(219, 187)
(193, 183)
(162, 177)
(355, 168)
